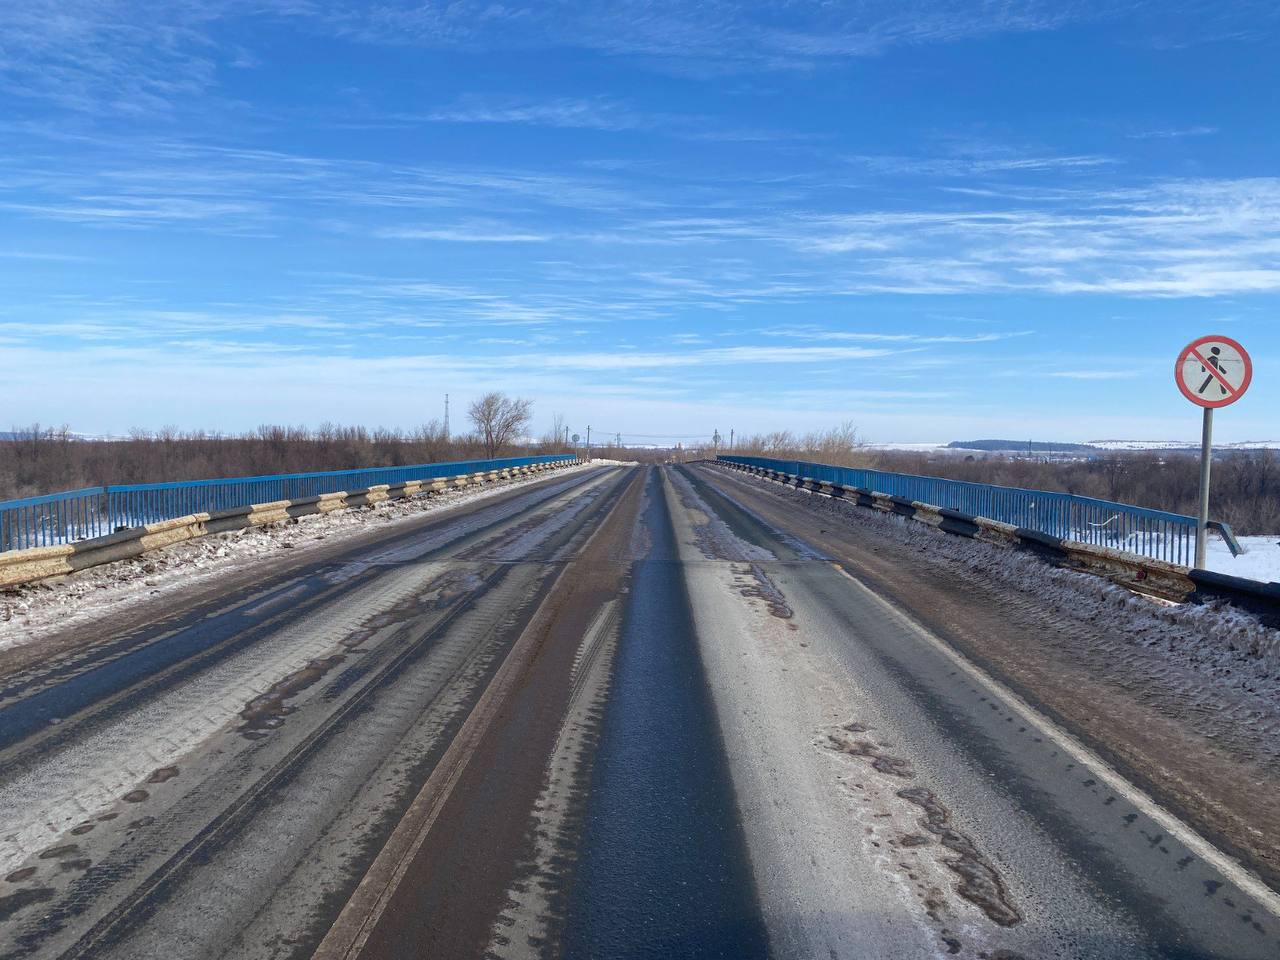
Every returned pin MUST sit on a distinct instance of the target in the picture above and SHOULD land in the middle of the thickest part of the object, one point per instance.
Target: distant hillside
(1193, 445)
(1020, 446)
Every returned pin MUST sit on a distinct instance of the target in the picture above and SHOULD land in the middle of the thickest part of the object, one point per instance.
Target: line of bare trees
(1246, 486)
(38, 460)
(1245, 490)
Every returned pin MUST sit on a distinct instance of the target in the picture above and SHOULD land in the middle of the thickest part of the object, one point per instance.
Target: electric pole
(446, 416)
(731, 439)
(588, 442)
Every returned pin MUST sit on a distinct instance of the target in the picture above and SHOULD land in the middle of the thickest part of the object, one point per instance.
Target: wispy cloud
(968, 164)
(795, 240)
(713, 37)
(93, 56)
(1093, 374)
(814, 332)
(42, 255)
(461, 234)
(132, 58)
(1173, 133)
(596, 113)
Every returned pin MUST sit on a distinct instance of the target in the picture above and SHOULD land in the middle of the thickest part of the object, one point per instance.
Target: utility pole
(588, 442)
(617, 441)
(446, 416)
(731, 439)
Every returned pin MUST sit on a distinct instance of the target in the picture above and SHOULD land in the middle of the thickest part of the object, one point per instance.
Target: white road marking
(1197, 844)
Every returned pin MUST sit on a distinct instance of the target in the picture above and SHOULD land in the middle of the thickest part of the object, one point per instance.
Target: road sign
(1213, 371)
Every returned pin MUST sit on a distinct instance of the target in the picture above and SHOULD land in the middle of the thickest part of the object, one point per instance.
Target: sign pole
(1206, 462)
(1211, 372)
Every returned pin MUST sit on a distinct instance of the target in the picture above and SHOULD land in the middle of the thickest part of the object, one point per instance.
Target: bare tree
(499, 419)
(555, 436)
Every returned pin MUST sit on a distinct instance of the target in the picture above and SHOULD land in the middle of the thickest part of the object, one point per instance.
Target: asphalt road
(630, 712)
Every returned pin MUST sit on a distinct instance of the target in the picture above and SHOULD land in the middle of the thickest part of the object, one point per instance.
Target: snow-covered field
(1261, 561)
(1181, 445)
(940, 446)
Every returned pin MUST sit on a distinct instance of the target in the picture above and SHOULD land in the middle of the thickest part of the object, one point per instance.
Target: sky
(936, 221)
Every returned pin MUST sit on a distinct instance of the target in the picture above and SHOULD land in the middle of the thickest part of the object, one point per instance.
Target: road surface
(629, 712)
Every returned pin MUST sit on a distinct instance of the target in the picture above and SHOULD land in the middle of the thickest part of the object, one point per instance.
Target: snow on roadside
(1260, 561)
(1220, 657)
(33, 611)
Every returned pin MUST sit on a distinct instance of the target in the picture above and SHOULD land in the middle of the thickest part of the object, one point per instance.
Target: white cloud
(1092, 374)
(1173, 133)
(596, 113)
(460, 235)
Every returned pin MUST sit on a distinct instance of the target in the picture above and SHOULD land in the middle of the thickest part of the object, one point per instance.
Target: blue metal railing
(1140, 530)
(94, 511)
(54, 518)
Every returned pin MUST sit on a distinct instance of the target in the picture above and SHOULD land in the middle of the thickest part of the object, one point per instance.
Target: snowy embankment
(1206, 648)
(37, 610)
(1261, 561)
(1215, 642)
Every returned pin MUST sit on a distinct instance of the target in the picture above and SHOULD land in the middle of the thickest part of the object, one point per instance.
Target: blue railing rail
(1140, 530)
(95, 511)
(53, 518)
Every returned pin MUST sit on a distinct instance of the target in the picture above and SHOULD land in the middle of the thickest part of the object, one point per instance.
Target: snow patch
(1260, 561)
(34, 611)
(1222, 659)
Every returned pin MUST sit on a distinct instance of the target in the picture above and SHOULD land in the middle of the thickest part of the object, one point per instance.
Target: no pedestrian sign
(1213, 371)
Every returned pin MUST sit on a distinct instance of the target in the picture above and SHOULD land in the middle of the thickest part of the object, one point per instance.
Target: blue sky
(936, 220)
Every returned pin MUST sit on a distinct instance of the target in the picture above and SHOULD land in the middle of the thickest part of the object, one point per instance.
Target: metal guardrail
(1140, 530)
(95, 511)
(54, 518)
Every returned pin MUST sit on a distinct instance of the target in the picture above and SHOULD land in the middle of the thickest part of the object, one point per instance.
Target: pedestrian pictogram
(1213, 371)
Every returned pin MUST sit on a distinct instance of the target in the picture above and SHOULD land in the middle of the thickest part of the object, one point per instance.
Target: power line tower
(446, 416)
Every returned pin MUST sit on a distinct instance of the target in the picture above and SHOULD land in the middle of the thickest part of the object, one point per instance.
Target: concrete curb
(1169, 581)
(18, 567)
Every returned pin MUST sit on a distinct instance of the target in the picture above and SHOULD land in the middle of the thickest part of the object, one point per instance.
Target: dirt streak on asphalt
(1212, 778)
(288, 787)
(446, 901)
(173, 606)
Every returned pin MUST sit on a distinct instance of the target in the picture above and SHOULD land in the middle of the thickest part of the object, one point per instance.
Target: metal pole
(588, 443)
(1206, 461)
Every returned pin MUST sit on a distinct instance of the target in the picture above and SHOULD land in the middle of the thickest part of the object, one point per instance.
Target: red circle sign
(1213, 371)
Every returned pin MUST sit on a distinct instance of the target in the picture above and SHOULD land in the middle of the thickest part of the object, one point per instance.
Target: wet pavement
(634, 713)
(661, 869)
